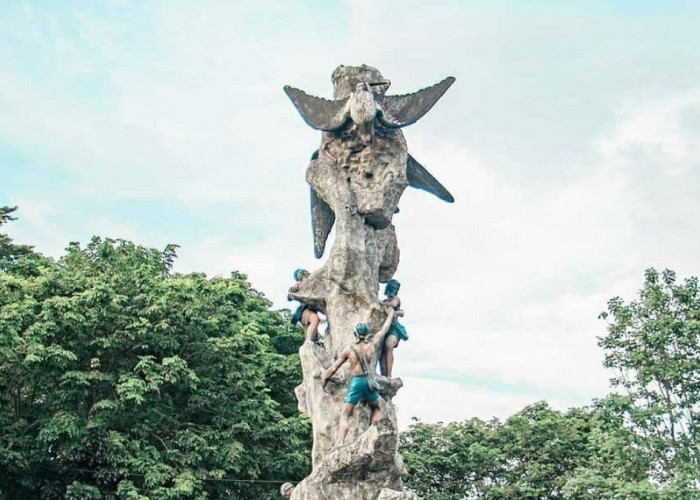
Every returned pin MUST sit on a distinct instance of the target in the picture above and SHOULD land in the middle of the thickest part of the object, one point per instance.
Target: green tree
(9, 251)
(121, 378)
(541, 448)
(616, 464)
(653, 344)
(453, 461)
(539, 453)
(529, 456)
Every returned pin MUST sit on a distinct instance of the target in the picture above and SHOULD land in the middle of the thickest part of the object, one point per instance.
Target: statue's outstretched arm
(378, 338)
(335, 366)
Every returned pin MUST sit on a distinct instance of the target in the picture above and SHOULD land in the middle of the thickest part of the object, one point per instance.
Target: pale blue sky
(569, 141)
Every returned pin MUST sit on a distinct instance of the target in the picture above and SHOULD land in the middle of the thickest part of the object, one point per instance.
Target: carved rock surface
(387, 494)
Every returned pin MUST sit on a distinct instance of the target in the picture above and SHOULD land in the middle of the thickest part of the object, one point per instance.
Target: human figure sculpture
(397, 331)
(305, 314)
(361, 356)
(286, 490)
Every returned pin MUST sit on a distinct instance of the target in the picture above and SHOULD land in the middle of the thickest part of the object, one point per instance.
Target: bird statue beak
(380, 86)
(381, 82)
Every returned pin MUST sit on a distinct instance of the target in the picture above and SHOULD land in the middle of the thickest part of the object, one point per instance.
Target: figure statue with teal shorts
(397, 331)
(362, 356)
(305, 314)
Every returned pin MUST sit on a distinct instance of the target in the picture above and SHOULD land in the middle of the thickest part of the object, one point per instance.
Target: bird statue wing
(420, 178)
(401, 110)
(322, 219)
(317, 112)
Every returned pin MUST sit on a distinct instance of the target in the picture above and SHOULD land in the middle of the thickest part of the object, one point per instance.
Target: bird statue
(360, 106)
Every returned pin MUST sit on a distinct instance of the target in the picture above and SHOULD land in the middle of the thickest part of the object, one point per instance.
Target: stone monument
(357, 177)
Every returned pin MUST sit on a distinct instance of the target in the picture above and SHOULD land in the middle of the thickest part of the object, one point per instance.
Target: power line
(210, 479)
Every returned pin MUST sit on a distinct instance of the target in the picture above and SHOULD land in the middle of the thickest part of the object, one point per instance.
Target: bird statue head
(362, 166)
(347, 78)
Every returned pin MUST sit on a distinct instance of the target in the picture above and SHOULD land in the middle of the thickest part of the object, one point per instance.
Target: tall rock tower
(357, 177)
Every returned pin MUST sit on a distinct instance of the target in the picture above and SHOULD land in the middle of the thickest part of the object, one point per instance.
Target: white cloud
(654, 150)
(656, 127)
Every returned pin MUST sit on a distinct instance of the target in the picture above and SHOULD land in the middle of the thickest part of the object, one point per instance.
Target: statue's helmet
(361, 330)
(299, 274)
(285, 487)
(392, 288)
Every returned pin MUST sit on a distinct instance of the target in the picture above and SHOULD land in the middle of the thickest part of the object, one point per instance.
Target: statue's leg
(344, 423)
(388, 354)
(310, 320)
(376, 411)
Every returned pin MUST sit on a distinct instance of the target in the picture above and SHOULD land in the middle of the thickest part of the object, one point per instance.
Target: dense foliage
(534, 454)
(640, 443)
(119, 378)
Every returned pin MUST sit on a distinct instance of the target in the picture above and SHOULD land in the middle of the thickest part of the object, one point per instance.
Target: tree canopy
(9, 251)
(122, 379)
(653, 344)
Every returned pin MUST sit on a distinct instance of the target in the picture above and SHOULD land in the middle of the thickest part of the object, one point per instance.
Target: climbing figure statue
(305, 314)
(397, 331)
(362, 384)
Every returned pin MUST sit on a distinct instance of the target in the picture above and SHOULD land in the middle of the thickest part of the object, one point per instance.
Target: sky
(570, 142)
